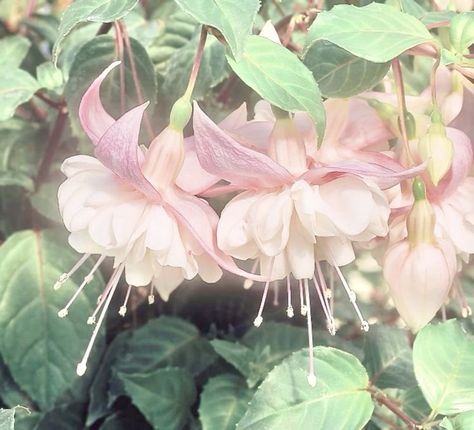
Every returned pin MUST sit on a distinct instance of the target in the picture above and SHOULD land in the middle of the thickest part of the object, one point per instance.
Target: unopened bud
(180, 114)
(410, 125)
(421, 219)
(436, 149)
(385, 111)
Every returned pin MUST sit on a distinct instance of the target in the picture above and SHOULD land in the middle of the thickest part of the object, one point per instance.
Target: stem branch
(196, 63)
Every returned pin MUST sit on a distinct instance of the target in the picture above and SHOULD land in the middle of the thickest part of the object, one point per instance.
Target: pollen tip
(122, 311)
(63, 313)
(88, 279)
(91, 320)
(258, 321)
(151, 299)
(365, 326)
(312, 379)
(81, 369)
(290, 312)
(248, 283)
(332, 329)
(304, 310)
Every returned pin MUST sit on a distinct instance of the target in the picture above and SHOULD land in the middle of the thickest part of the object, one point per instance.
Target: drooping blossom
(123, 203)
(420, 268)
(292, 212)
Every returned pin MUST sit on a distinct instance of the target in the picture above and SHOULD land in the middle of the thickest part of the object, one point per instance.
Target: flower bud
(386, 111)
(164, 158)
(180, 114)
(436, 149)
(419, 279)
(287, 146)
(421, 219)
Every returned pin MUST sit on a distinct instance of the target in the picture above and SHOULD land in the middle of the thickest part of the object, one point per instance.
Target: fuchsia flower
(293, 212)
(123, 203)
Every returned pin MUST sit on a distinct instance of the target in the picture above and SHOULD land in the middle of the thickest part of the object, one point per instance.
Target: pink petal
(223, 156)
(462, 162)
(201, 222)
(94, 119)
(118, 151)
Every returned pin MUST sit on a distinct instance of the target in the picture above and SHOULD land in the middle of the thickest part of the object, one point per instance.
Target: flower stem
(196, 64)
(433, 82)
(392, 405)
(402, 107)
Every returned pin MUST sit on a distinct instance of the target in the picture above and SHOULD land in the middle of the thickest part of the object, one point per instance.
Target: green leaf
(414, 404)
(280, 77)
(92, 11)
(339, 73)
(437, 16)
(413, 8)
(212, 72)
(21, 148)
(162, 342)
(164, 396)
(49, 77)
(234, 19)
(388, 358)
(442, 356)
(91, 60)
(64, 417)
(13, 50)
(7, 419)
(16, 88)
(464, 421)
(10, 393)
(242, 358)
(44, 201)
(375, 32)
(461, 32)
(224, 401)
(338, 401)
(40, 349)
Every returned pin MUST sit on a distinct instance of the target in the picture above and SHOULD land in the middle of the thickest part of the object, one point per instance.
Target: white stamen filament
(329, 319)
(311, 374)
(289, 310)
(276, 292)
(151, 296)
(123, 308)
(259, 319)
(248, 283)
(303, 308)
(65, 276)
(82, 366)
(331, 289)
(101, 299)
(324, 295)
(87, 279)
(352, 298)
(443, 313)
(466, 310)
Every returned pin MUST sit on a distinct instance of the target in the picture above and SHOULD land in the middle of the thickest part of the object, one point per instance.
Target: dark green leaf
(10, 394)
(375, 32)
(285, 399)
(16, 88)
(224, 401)
(388, 358)
(278, 76)
(64, 417)
(13, 50)
(339, 73)
(40, 349)
(414, 404)
(92, 11)
(233, 19)
(164, 396)
(442, 356)
(49, 77)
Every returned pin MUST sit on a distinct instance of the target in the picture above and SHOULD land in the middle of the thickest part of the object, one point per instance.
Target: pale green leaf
(224, 401)
(92, 11)
(13, 50)
(434, 17)
(444, 368)
(40, 349)
(48, 76)
(339, 73)
(375, 32)
(413, 8)
(16, 88)
(461, 31)
(234, 19)
(388, 358)
(464, 421)
(164, 396)
(285, 400)
(279, 77)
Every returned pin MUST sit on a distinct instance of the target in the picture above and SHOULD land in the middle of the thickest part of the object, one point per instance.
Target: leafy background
(196, 362)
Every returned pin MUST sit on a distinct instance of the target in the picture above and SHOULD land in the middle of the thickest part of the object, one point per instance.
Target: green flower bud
(180, 114)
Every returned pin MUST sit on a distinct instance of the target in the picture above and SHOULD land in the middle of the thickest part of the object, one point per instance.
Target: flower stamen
(123, 309)
(259, 319)
(114, 280)
(87, 279)
(325, 295)
(311, 374)
(289, 310)
(248, 283)
(276, 293)
(151, 296)
(303, 308)
(65, 276)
